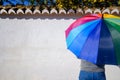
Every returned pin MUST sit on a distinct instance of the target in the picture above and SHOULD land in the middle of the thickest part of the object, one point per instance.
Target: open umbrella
(95, 38)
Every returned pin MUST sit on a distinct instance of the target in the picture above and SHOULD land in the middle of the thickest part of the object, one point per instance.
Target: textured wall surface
(35, 49)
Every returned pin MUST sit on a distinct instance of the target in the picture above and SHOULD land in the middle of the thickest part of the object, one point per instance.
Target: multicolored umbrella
(95, 38)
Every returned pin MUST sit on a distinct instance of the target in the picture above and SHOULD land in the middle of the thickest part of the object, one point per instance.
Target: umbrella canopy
(95, 38)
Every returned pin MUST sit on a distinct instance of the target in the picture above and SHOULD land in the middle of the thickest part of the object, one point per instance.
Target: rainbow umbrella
(95, 38)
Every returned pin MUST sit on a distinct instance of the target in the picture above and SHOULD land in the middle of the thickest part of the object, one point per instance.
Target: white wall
(35, 49)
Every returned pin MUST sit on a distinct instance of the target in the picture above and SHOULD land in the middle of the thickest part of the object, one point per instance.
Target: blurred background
(65, 4)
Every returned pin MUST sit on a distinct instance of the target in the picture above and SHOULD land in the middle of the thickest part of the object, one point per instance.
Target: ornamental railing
(53, 11)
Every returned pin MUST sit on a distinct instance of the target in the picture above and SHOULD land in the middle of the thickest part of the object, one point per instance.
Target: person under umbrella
(90, 71)
(95, 39)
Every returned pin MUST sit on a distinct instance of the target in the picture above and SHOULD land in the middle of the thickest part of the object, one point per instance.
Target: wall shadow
(40, 16)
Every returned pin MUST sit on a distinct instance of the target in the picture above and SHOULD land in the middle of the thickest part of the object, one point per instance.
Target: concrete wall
(35, 49)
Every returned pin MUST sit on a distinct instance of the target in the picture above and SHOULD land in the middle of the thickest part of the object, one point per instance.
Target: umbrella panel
(89, 51)
(115, 33)
(75, 43)
(106, 54)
